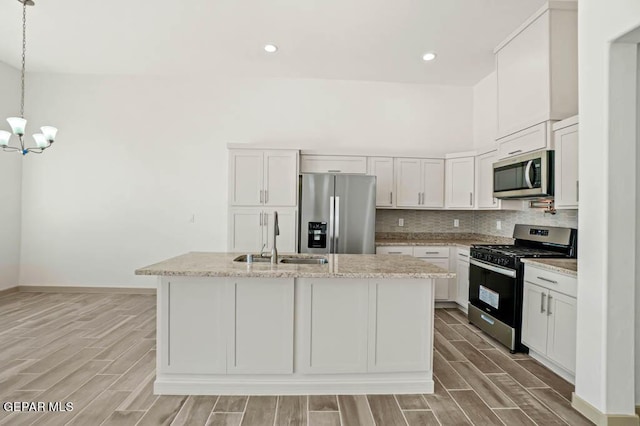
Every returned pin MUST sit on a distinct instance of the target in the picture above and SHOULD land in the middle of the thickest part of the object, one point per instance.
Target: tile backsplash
(480, 222)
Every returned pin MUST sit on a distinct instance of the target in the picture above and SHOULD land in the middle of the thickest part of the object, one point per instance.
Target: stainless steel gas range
(496, 278)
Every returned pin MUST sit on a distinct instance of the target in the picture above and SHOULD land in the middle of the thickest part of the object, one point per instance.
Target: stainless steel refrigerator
(337, 214)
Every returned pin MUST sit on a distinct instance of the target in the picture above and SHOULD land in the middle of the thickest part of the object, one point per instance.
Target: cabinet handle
(266, 196)
(549, 305)
(542, 296)
(391, 198)
(495, 201)
(548, 280)
(431, 252)
(471, 198)
(463, 255)
(334, 171)
(260, 218)
(261, 196)
(394, 252)
(419, 199)
(577, 190)
(514, 152)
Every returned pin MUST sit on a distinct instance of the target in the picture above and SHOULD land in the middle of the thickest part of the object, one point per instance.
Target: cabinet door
(433, 183)
(534, 317)
(441, 284)
(523, 72)
(484, 181)
(246, 230)
(245, 176)
(260, 319)
(400, 325)
(527, 140)
(462, 277)
(561, 343)
(334, 322)
(459, 182)
(408, 250)
(280, 178)
(566, 171)
(195, 312)
(287, 241)
(333, 164)
(382, 169)
(409, 182)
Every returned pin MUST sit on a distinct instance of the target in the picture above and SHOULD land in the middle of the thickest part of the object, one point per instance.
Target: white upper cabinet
(460, 181)
(382, 169)
(531, 139)
(484, 181)
(332, 164)
(263, 178)
(537, 69)
(419, 182)
(565, 137)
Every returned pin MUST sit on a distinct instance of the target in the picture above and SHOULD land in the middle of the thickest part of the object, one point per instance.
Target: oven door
(492, 289)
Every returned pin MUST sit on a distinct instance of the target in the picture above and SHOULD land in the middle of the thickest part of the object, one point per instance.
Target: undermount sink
(305, 260)
(285, 259)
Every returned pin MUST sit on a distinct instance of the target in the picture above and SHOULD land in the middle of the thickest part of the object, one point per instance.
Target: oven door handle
(484, 265)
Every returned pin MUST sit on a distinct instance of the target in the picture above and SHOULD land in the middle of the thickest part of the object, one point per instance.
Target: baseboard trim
(600, 418)
(69, 289)
(8, 291)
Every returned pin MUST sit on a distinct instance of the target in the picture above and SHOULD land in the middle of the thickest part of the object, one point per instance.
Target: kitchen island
(359, 324)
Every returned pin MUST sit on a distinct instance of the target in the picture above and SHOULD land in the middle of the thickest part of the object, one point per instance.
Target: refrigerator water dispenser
(317, 235)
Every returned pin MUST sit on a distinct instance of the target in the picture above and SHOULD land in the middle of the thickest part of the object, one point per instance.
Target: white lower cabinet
(549, 319)
(400, 326)
(196, 307)
(260, 334)
(441, 284)
(462, 278)
(251, 229)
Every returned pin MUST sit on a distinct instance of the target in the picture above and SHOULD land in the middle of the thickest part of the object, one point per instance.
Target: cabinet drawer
(551, 280)
(431, 251)
(395, 250)
(527, 140)
(332, 164)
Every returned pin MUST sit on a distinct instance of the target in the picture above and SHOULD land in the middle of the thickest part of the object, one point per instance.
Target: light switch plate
(456, 223)
(499, 225)
(400, 222)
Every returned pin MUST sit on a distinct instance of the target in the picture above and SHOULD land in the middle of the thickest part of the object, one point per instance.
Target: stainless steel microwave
(527, 176)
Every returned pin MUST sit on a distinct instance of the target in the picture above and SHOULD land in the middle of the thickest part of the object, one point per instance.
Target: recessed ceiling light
(270, 48)
(429, 56)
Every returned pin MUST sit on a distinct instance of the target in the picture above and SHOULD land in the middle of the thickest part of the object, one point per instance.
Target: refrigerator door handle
(331, 224)
(337, 221)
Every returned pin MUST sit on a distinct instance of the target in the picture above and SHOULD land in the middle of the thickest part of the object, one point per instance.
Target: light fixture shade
(49, 133)
(17, 124)
(41, 142)
(4, 137)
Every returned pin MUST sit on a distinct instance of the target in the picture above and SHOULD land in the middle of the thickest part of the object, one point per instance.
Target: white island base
(283, 336)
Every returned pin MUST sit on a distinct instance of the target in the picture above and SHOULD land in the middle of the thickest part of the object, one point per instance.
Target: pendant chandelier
(18, 124)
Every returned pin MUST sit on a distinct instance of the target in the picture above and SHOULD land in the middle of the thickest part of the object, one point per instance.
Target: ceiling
(378, 40)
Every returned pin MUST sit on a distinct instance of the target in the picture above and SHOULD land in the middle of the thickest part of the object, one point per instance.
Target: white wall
(136, 157)
(485, 111)
(11, 178)
(605, 345)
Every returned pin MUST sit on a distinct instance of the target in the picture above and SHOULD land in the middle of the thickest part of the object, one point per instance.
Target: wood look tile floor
(98, 351)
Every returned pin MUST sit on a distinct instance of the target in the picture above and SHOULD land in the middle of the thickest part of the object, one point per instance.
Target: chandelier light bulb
(41, 142)
(18, 125)
(49, 133)
(4, 137)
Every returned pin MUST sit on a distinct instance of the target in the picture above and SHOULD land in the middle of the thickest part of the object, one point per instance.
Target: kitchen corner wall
(481, 222)
(11, 178)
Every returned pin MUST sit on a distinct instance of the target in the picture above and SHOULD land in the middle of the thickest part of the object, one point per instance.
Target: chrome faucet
(276, 232)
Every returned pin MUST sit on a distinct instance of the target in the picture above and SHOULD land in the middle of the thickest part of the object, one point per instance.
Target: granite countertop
(206, 264)
(437, 239)
(564, 266)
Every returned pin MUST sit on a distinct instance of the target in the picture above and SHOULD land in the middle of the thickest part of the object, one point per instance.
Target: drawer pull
(548, 280)
(514, 152)
(334, 171)
(463, 255)
(487, 319)
(394, 252)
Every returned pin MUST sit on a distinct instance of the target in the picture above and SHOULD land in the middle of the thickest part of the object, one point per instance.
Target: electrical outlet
(400, 222)
(499, 225)
(456, 223)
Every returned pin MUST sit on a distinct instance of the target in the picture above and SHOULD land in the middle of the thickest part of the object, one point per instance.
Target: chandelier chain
(24, 51)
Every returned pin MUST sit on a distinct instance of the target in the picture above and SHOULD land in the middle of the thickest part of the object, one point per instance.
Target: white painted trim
(602, 419)
(565, 123)
(460, 155)
(370, 384)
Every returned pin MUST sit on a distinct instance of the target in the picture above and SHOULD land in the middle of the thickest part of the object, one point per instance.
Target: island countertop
(210, 264)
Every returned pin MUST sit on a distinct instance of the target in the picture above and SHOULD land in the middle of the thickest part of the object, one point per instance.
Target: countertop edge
(288, 274)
